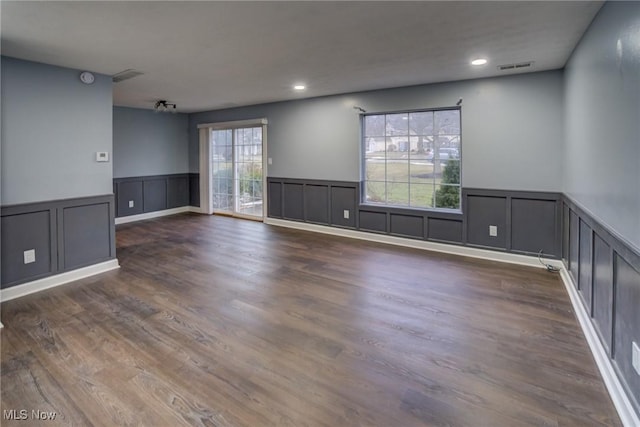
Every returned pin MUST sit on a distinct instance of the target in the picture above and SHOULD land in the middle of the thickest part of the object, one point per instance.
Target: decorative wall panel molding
(194, 189)
(605, 270)
(144, 194)
(63, 235)
(526, 221)
(314, 201)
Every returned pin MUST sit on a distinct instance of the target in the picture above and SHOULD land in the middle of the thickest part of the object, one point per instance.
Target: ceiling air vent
(517, 66)
(125, 75)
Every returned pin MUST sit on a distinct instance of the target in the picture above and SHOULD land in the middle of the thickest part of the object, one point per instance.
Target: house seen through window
(412, 159)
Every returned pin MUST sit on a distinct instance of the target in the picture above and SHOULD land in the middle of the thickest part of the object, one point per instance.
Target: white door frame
(206, 201)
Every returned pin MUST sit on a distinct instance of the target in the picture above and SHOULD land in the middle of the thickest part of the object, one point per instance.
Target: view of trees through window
(236, 165)
(412, 159)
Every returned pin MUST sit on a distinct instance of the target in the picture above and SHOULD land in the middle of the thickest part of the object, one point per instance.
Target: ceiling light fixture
(479, 61)
(164, 106)
(299, 87)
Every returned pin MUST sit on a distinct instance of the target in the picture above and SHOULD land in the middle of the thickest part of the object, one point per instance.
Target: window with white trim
(412, 158)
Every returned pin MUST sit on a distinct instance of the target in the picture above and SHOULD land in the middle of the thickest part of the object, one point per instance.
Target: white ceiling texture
(210, 54)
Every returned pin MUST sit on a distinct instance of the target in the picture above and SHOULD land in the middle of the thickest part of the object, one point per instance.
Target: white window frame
(206, 201)
(363, 159)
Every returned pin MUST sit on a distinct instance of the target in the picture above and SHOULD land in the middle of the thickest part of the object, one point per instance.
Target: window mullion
(413, 178)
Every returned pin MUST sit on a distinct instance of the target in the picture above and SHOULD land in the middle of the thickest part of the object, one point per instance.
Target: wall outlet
(346, 214)
(29, 256)
(102, 156)
(635, 357)
(130, 203)
(493, 230)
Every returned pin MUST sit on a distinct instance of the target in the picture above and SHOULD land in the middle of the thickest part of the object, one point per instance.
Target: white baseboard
(506, 257)
(622, 403)
(156, 214)
(57, 280)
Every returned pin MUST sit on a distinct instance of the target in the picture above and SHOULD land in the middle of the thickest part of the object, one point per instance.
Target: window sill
(443, 212)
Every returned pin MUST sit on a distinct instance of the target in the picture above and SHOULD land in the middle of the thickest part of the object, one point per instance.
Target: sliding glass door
(248, 171)
(237, 171)
(222, 170)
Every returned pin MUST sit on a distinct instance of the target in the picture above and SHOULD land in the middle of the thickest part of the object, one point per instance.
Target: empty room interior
(318, 213)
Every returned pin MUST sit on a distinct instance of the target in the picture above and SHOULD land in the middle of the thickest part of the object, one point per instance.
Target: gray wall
(512, 130)
(602, 97)
(601, 213)
(148, 143)
(52, 127)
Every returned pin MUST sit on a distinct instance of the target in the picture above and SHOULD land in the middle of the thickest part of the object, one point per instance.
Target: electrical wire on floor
(549, 267)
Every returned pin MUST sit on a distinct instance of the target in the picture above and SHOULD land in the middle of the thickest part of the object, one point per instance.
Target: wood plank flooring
(213, 321)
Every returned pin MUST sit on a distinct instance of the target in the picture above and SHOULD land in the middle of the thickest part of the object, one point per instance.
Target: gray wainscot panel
(65, 234)
(535, 226)
(194, 189)
(565, 234)
(316, 203)
(24, 232)
(344, 199)
(274, 197)
(482, 211)
(293, 201)
(373, 221)
(438, 226)
(584, 265)
(154, 194)
(177, 191)
(627, 324)
(574, 245)
(406, 225)
(86, 235)
(526, 221)
(129, 196)
(603, 290)
(444, 230)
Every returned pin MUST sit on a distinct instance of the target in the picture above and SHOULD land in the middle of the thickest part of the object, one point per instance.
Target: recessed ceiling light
(479, 61)
(299, 87)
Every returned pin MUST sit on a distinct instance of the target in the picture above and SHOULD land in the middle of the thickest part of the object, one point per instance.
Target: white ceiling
(209, 55)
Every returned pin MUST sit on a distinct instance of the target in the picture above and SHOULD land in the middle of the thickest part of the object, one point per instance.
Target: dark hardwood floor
(213, 321)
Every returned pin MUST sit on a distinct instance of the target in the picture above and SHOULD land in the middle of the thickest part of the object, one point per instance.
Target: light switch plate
(270, 161)
(493, 230)
(29, 256)
(635, 357)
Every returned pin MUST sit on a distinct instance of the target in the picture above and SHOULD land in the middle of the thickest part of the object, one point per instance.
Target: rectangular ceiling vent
(518, 66)
(126, 75)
